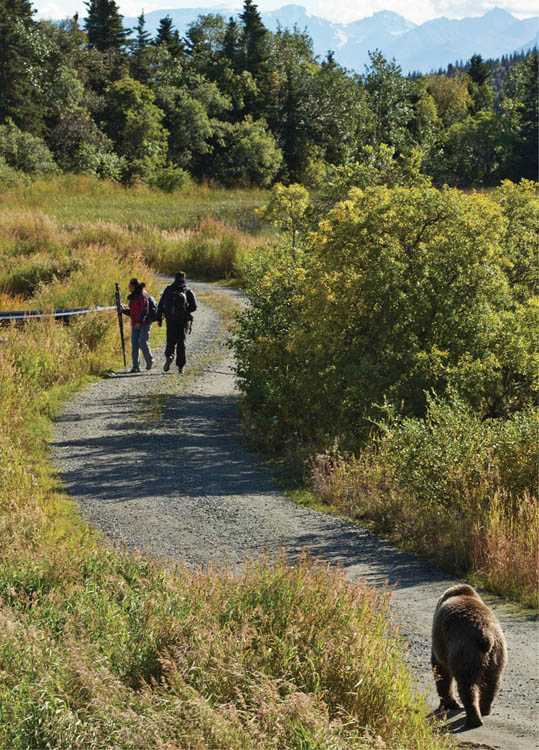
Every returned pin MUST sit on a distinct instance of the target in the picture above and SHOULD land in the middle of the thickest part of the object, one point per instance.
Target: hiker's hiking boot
(180, 370)
(135, 369)
(149, 364)
(166, 366)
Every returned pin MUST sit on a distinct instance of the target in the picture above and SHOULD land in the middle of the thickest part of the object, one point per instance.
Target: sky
(342, 11)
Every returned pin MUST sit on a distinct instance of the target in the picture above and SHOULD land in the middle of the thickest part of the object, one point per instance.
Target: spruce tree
(478, 70)
(17, 97)
(521, 93)
(254, 56)
(480, 86)
(143, 37)
(168, 35)
(139, 62)
(231, 45)
(253, 40)
(104, 26)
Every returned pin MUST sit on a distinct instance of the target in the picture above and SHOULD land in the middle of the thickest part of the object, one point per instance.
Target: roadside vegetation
(99, 648)
(390, 356)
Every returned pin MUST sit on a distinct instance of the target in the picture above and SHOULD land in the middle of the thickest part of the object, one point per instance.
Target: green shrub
(10, 177)
(171, 178)
(28, 275)
(452, 486)
(32, 254)
(437, 459)
(399, 291)
(25, 152)
(105, 164)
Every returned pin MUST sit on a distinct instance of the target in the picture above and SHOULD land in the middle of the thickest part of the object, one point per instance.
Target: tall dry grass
(459, 491)
(212, 249)
(206, 231)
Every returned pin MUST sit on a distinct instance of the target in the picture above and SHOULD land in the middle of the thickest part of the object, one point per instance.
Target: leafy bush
(171, 178)
(25, 276)
(75, 138)
(105, 164)
(32, 253)
(452, 486)
(286, 209)
(10, 177)
(438, 458)
(399, 291)
(25, 152)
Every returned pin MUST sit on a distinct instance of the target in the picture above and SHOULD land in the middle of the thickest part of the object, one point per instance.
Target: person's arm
(191, 301)
(160, 306)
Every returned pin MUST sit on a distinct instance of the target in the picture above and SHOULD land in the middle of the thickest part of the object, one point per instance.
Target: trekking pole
(120, 320)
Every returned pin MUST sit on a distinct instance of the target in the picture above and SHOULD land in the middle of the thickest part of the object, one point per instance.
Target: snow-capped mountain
(422, 47)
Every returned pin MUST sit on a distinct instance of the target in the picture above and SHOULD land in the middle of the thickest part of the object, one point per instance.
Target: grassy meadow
(205, 230)
(76, 199)
(100, 649)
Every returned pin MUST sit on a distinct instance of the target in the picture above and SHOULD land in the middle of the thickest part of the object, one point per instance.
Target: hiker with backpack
(140, 312)
(176, 305)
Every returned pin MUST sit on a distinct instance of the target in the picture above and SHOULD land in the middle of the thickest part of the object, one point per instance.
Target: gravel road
(185, 487)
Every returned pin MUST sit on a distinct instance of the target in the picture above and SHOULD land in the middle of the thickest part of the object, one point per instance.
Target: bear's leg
(469, 695)
(489, 687)
(444, 685)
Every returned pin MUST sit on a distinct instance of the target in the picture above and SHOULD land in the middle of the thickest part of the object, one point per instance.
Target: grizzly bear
(468, 645)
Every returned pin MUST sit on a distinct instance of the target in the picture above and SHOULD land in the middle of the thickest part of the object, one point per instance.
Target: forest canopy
(235, 103)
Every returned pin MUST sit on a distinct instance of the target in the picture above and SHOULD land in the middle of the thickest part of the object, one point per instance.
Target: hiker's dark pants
(176, 332)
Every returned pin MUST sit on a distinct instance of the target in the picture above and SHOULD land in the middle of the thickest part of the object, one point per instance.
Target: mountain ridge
(416, 47)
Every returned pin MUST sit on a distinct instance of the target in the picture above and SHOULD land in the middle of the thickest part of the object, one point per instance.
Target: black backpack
(175, 305)
(153, 308)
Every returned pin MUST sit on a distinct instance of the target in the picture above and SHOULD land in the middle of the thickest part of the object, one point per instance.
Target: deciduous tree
(134, 125)
(389, 95)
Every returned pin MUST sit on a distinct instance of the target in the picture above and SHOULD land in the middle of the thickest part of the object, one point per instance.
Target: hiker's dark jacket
(139, 307)
(177, 286)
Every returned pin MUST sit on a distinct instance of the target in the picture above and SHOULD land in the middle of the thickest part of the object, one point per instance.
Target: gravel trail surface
(183, 486)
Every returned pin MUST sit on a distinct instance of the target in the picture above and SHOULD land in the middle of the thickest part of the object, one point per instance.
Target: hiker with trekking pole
(176, 305)
(140, 312)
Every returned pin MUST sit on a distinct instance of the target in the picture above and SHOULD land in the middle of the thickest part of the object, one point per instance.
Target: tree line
(235, 103)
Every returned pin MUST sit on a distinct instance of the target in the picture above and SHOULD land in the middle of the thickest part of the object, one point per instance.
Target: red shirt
(139, 308)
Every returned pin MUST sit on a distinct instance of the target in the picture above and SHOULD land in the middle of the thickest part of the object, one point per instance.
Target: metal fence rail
(7, 316)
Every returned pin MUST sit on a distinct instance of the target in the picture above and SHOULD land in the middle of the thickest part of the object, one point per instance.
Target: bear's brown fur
(468, 645)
